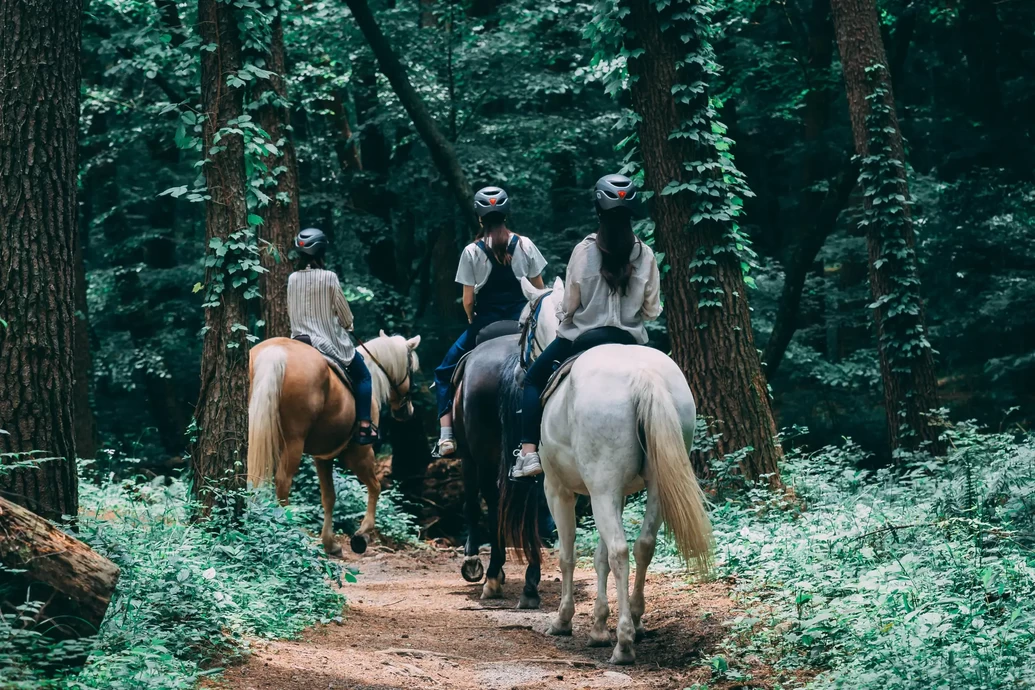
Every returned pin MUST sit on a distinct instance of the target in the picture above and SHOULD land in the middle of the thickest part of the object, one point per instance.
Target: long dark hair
(304, 261)
(615, 240)
(494, 228)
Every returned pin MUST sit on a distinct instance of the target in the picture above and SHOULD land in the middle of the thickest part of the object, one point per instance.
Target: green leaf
(254, 219)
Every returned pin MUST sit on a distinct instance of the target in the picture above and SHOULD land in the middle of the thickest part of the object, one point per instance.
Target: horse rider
(490, 269)
(320, 316)
(612, 287)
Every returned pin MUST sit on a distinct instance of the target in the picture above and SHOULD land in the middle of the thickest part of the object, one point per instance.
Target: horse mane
(519, 501)
(386, 350)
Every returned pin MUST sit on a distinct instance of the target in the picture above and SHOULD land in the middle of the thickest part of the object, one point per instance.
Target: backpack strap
(488, 252)
(512, 247)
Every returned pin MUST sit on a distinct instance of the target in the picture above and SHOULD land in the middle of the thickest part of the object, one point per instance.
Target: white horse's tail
(669, 472)
(265, 436)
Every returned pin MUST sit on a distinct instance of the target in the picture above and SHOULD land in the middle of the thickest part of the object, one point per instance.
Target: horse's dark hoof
(472, 570)
(358, 543)
(527, 602)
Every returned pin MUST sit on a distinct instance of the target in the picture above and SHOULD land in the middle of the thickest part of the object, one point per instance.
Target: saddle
(498, 329)
(336, 366)
(606, 335)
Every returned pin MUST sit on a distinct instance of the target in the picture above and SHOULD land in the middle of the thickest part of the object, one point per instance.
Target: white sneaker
(526, 465)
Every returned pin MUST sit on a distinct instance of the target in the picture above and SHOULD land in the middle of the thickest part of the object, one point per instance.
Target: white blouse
(475, 266)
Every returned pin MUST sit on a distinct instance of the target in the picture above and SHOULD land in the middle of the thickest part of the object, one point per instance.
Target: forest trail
(412, 622)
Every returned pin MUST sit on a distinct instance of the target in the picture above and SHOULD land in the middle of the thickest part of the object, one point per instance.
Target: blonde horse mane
(391, 351)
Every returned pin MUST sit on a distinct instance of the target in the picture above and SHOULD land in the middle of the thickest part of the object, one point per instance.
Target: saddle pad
(557, 377)
(458, 373)
(340, 373)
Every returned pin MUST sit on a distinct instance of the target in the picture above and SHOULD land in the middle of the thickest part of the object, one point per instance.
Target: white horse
(623, 420)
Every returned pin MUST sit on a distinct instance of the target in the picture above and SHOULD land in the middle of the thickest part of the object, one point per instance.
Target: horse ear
(383, 334)
(558, 285)
(413, 342)
(530, 291)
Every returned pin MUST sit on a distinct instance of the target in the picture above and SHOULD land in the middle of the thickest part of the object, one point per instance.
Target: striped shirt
(317, 308)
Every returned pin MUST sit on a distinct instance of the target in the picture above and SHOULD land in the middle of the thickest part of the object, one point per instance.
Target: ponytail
(615, 240)
(494, 229)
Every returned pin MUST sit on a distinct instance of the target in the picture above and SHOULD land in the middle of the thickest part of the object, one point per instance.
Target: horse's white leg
(325, 471)
(360, 459)
(599, 635)
(562, 507)
(607, 512)
(644, 552)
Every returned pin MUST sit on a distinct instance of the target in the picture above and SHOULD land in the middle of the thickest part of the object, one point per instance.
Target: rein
(402, 399)
(528, 332)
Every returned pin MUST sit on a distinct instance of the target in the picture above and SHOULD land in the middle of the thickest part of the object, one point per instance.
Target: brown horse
(298, 405)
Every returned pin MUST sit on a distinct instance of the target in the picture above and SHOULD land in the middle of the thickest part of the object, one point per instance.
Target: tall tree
(280, 218)
(39, 123)
(687, 166)
(906, 357)
(221, 415)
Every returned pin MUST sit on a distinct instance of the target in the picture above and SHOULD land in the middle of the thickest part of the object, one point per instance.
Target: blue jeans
(360, 376)
(444, 373)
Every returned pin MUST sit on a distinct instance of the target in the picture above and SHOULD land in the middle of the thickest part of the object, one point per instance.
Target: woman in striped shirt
(320, 315)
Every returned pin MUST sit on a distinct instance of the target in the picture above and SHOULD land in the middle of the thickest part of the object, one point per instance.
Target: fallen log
(41, 563)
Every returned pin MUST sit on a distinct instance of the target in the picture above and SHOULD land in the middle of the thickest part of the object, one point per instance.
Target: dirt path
(412, 622)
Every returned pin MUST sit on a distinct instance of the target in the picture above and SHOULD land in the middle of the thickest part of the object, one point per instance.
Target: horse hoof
(621, 658)
(599, 640)
(333, 548)
(492, 590)
(559, 630)
(358, 543)
(526, 602)
(641, 633)
(472, 570)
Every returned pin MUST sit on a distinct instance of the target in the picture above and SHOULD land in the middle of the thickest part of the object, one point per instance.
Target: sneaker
(526, 465)
(446, 447)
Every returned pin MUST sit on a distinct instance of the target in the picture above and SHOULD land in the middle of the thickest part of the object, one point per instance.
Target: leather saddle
(498, 329)
(335, 365)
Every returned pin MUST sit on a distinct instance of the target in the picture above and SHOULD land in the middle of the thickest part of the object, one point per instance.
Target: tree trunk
(222, 411)
(74, 582)
(441, 150)
(170, 14)
(705, 294)
(280, 218)
(906, 358)
(39, 123)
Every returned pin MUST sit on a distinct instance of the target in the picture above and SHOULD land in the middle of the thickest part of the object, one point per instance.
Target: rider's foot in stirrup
(367, 434)
(446, 447)
(526, 465)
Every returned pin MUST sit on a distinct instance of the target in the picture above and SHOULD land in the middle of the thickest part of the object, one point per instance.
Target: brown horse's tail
(669, 472)
(520, 502)
(265, 436)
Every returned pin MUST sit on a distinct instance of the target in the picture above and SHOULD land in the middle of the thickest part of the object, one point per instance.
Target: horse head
(541, 317)
(396, 358)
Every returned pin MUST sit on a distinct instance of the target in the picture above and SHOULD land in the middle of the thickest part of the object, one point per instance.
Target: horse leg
(607, 512)
(360, 459)
(472, 569)
(599, 635)
(325, 471)
(287, 468)
(562, 507)
(494, 578)
(529, 598)
(644, 552)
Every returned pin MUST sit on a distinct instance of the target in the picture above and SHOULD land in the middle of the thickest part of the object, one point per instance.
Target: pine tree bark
(39, 124)
(222, 412)
(714, 346)
(909, 379)
(280, 218)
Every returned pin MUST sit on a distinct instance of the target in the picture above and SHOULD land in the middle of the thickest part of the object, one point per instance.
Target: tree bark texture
(280, 218)
(713, 346)
(442, 152)
(74, 582)
(909, 386)
(39, 124)
(222, 411)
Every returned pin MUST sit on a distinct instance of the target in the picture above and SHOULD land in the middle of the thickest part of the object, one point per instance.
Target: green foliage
(190, 592)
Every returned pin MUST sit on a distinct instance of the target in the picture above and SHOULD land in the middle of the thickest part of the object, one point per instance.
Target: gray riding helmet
(311, 242)
(615, 191)
(491, 200)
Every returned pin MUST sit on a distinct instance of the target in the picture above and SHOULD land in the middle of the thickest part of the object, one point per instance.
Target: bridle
(528, 331)
(402, 399)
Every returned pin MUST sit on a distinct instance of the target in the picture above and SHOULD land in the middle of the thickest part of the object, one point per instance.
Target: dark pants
(360, 376)
(544, 366)
(444, 372)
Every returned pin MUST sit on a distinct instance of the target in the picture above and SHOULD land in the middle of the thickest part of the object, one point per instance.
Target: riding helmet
(614, 191)
(311, 242)
(491, 200)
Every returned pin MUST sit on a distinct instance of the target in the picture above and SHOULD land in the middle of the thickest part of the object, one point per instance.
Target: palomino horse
(623, 420)
(298, 405)
(486, 425)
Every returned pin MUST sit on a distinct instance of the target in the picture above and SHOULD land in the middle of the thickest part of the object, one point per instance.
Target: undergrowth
(191, 593)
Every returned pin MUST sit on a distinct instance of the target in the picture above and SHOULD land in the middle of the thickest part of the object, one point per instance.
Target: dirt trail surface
(412, 622)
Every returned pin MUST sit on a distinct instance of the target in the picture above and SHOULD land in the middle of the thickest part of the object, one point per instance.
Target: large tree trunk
(222, 411)
(280, 218)
(74, 582)
(705, 294)
(39, 123)
(906, 358)
(441, 150)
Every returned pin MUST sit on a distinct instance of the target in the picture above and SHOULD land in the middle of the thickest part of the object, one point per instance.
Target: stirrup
(367, 435)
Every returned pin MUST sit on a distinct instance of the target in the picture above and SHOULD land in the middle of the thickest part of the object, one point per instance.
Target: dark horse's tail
(520, 502)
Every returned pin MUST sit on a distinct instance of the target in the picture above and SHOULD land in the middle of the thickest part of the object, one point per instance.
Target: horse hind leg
(472, 569)
(599, 635)
(494, 577)
(290, 460)
(325, 471)
(360, 459)
(607, 512)
(644, 552)
(562, 507)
